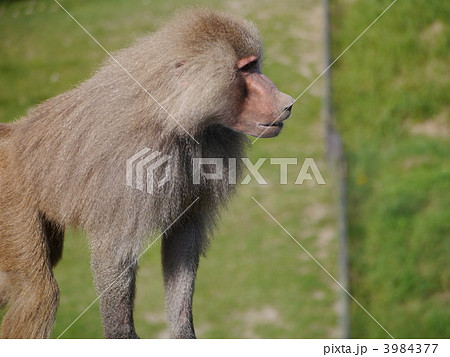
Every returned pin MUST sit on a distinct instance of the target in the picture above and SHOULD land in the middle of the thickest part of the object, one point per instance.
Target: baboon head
(263, 108)
(215, 62)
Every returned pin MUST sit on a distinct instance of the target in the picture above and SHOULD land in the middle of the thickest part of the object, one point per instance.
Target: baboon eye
(251, 66)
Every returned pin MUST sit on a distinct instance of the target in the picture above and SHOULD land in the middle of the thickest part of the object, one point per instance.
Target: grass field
(391, 101)
(255, 282)
(391, 95)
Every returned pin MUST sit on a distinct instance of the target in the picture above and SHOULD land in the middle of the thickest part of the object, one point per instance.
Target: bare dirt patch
(255, 317)
(433, 31)
(437, 127)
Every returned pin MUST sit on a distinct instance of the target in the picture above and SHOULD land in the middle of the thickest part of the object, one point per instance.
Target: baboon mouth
(278, 124)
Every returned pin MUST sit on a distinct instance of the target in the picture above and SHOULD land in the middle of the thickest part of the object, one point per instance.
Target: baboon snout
(286, 103)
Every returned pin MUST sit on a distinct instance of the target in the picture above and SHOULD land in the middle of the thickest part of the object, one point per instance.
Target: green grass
(391, 95)
(255, 281)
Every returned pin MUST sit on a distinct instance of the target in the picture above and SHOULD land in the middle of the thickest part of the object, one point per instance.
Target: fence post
(337, 160)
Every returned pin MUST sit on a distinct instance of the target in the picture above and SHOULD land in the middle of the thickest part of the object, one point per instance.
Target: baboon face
(264, 107)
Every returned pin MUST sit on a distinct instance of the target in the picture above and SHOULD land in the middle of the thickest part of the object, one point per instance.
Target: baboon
(64, 164)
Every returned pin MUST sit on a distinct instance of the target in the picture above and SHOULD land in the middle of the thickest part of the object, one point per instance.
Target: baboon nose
(289, 108)
(285, 104)
(288, 102)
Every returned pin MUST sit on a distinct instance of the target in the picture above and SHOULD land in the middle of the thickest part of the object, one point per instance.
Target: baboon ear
(179, 70)
(179, 67)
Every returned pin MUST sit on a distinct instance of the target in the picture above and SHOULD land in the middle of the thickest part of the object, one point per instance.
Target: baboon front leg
(114, 271)
(181, 247)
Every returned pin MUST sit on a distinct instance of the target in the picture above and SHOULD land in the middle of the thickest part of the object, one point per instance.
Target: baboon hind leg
(4, 289)
(54, 236)
(32, 292)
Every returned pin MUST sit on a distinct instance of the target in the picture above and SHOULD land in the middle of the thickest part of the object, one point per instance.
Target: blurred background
(390, 95)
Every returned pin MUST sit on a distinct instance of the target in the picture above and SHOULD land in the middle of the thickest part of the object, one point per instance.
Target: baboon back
(5, 130)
